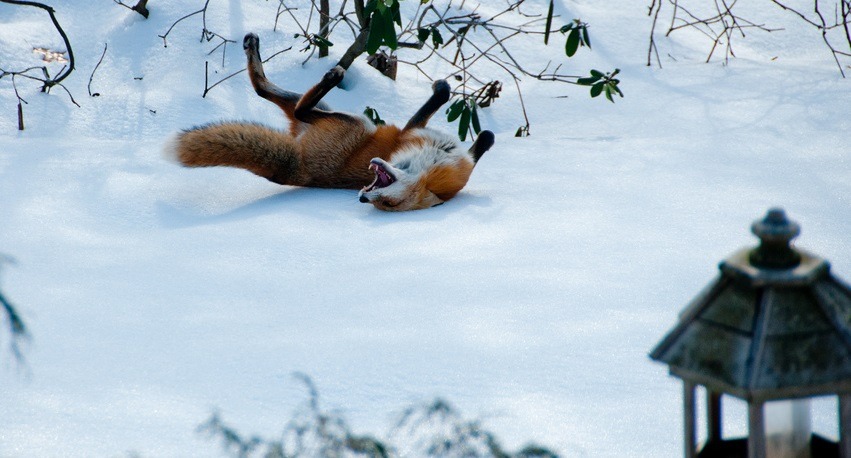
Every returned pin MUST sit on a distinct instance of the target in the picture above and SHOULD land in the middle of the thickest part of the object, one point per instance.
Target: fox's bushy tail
(261, 150)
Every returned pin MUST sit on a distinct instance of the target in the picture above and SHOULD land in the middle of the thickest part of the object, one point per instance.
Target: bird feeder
(774, 329)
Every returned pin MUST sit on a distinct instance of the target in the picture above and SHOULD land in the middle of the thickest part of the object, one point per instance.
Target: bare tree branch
(721, 27)
(45, 79)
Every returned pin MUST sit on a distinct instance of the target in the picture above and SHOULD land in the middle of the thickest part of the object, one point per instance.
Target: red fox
(395, 169)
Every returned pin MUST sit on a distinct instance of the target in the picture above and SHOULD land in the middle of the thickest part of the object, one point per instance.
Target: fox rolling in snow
(395, 169)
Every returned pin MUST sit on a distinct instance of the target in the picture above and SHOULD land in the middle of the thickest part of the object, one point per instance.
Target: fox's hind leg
(286, 100)
(440, 96)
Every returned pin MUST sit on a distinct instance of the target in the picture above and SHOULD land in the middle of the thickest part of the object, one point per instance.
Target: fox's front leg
(440, 95)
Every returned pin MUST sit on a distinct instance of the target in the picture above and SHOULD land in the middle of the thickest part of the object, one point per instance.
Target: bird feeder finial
(775, 233)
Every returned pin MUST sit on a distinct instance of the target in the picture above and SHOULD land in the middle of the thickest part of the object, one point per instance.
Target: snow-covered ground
(156, 295)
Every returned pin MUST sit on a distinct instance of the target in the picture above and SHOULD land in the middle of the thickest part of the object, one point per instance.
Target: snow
(156, 295)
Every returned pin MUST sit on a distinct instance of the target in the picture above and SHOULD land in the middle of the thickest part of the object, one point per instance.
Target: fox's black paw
(334, 76)
(442, 90)
(251, 42)
(440, 86)
(482, 144)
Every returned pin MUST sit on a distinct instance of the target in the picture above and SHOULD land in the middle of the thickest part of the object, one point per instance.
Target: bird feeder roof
(775, 324)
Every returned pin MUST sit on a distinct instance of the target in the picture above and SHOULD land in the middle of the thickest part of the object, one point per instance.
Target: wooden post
(713, 416)
(756, 433)
(689, 430)
(845, 425)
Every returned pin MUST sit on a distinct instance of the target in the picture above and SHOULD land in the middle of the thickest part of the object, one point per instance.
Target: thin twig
(96, 94)
(721, 26)
(209, 88)
(20, 106)
(201, 11)
(140, 7)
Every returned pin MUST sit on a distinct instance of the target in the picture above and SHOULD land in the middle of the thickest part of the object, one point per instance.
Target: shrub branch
(724, 25)
(47, 82)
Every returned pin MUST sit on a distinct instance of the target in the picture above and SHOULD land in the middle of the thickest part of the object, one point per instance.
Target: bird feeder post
(689, 416)
(756, 430)
(845, 425)
(714, 431)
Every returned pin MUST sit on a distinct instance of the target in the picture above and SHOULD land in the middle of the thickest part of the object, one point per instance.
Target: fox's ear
(483, 143)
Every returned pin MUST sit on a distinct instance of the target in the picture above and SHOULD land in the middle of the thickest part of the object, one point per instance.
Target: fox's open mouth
(383, 177)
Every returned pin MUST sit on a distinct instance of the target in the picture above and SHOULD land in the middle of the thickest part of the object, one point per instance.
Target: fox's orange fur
(409, 168)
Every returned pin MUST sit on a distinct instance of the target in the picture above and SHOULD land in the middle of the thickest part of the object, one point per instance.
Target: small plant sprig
(602, 83)
(429, 429)
(464, 110)
(383, 14)
(576, 31)
(373, 116)
(436, 38)
(577, 36)
(314, 40)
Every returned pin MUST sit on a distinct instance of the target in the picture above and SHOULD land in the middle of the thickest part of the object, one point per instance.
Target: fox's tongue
(382, 177)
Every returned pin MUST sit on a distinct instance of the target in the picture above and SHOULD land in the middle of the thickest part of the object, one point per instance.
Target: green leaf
(390, 36)
(566, 28)
(370, 7)
(454, 110)
(422, 34)
(549, 24)
(397, 17)
(572, 43)
(436, 38)
(373, 116)
(381, 31)
(475, 118)
(597, 73)
(322, 41)
(374, 39)
(609, 93)
(464, 123)
(587, 81)
(585, 37)
(597, 89)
